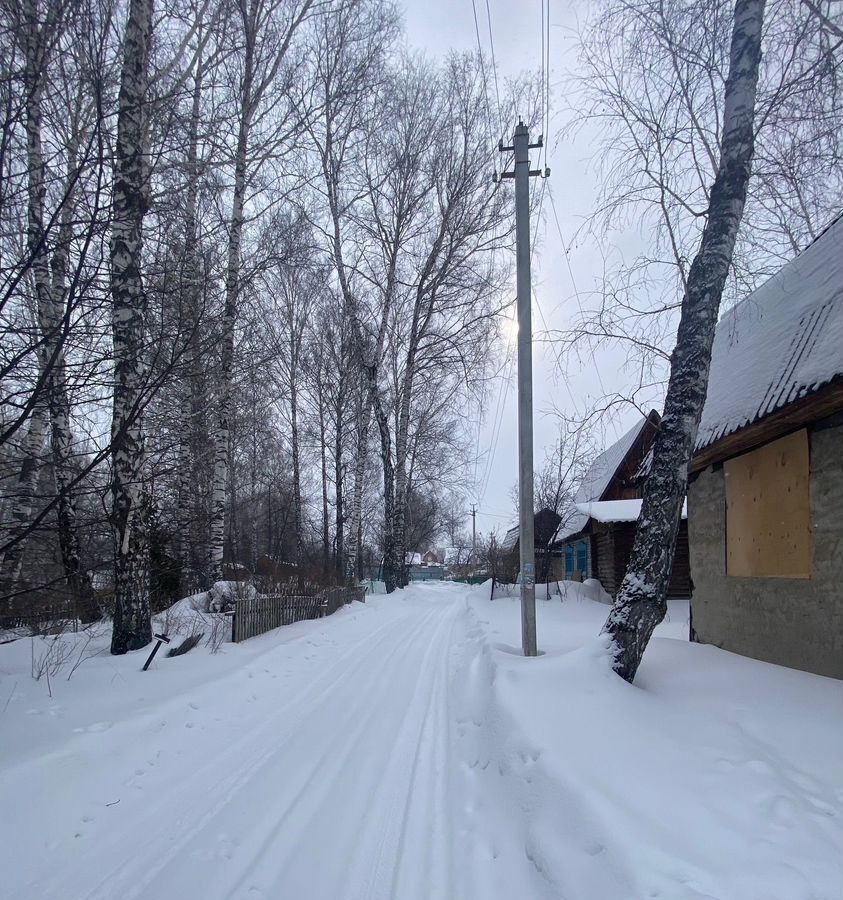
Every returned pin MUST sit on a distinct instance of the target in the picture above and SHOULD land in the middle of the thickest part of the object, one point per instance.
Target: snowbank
(713, 776)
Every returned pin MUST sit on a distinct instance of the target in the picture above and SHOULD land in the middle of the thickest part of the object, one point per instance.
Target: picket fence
(255, 615)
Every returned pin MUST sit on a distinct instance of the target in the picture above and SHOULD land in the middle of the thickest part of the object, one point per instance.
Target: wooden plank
(768, 516)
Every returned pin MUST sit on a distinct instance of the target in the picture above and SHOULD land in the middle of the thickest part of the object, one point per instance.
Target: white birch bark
(61, 434)
(323, 468)
(355, 514)
(32, 447)
(339, 479)
(49, 276)
(23, 494)
(252, 88)
(641, 602)
(189, 506)
(132, 627)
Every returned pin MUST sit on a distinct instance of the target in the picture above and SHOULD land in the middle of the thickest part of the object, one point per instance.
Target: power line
(496, 426)
(543, 82)
(492, 147)
(574, 286)
(494, 68)
(546, 54)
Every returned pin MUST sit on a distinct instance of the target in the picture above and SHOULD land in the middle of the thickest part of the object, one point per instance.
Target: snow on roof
(616, 510)
(780, 343)
(510, 539)
(600, 473)
(597, 478)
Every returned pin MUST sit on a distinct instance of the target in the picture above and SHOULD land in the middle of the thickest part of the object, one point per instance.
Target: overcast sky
(437, 26)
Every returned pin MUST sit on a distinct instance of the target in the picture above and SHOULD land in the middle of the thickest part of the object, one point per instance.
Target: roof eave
(819, 404)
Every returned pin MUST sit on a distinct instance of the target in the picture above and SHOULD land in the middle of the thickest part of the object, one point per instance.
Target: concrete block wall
(794, 622)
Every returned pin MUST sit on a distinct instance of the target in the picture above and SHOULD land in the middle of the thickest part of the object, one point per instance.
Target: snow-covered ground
(404, 749)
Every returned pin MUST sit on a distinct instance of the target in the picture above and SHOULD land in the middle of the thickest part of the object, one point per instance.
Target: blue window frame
(582, 557)
(576, 559)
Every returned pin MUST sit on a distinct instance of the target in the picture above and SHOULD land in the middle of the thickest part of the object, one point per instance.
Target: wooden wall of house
(611, 547)
(680, 577)
(603, 558)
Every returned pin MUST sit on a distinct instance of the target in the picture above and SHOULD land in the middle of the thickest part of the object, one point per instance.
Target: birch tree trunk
(339, 483)
(222, 433)
(189, 506)
(49, 277)
(323, 466)
(294, 440)
(391, 563)
(61, 435)
(355, 517)
(33, 444)
(132, 627)
(641, 602)
(20, 512)
(252, 88)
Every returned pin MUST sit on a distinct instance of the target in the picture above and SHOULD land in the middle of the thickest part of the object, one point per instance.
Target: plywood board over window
(768, 510)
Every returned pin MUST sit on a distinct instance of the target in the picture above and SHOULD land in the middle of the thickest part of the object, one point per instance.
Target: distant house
(597, 540)
(456, 556)
(765, 499)
(545, 523)
(431, 558)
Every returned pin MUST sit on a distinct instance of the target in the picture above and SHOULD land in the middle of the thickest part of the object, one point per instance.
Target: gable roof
(599, 476)
(780, 343)
(545, 523)
(510, 539)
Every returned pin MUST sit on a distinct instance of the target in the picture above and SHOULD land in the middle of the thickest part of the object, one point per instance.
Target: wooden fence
(255, 615)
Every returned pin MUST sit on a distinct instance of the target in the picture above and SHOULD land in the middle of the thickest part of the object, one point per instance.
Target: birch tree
(349, 50)
(266, 32)
(132, 626)
(44, 36)
(641, 601)
(648, 92)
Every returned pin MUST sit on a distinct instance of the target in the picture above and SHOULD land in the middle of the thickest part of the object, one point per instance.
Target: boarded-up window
(768, 524)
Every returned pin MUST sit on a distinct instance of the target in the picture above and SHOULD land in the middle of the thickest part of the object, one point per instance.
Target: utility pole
(473, 534)
(526, 536)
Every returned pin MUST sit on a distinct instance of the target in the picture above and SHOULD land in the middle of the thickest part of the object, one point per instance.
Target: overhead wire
(565, 253)
(494, 68)
(492, 145)
(546, 55)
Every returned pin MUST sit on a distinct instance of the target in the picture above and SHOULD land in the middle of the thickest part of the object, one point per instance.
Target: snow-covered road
(405, 750)
(323, 770)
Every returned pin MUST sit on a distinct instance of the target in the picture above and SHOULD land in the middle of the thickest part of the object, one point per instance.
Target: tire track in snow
(311, 815)
(217, 781)
(405, 794)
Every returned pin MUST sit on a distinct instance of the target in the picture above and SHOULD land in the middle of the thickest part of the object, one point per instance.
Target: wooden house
(597, 539)
(765, 497)
(545, 524)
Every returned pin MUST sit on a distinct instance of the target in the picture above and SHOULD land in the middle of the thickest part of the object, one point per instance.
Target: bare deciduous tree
(641, 601)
